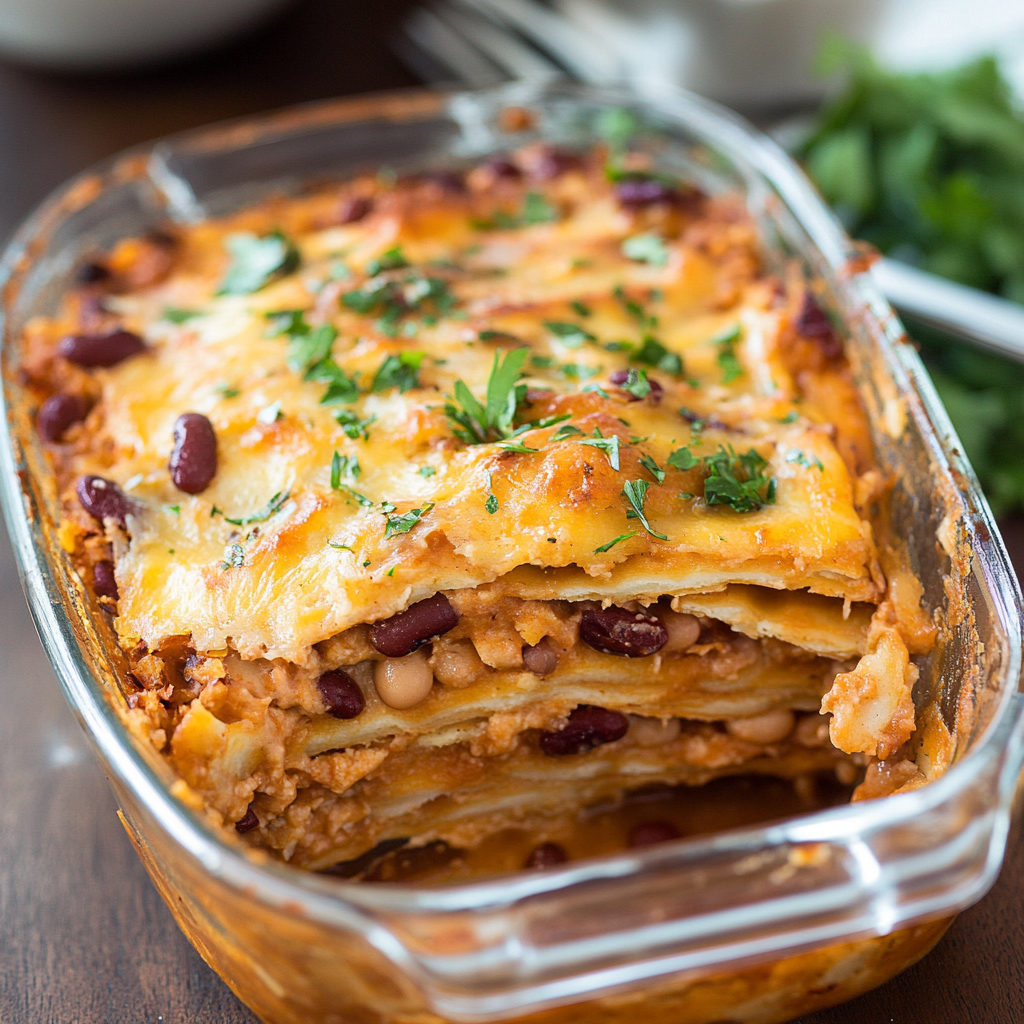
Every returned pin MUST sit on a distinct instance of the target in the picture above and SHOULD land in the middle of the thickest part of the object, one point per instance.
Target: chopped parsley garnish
(286, 321)
(270, 413)
(273, 506)
(394, 298)
(634, 309)
(176, 509)
(570, 335)
(393, 259)
(425, 471)
(473, 423)
(338, 547)
(738, 480)
(732, 368)
(578, 371)
(542, 362)
(235, 557)
(636, 383)
(491, 504)
(682, 458)
(536, 210)
(653, 353)
(580, 308)
(801, 459)
(256, 261)
(307, 349)
(565, 432)
(353, 426)
(226, 390)
(360, 499)
(791, 417)
(401, 371)
(341, 388)
(404, 523)
(596, 388)
(609, 445)
(517, 446)
(499, 336)
(653, 468)
(344, 466)
(648, 248)
(180, 316)
(607, 547)
(635, 492)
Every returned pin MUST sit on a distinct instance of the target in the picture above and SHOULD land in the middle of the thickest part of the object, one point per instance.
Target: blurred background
(906, 113)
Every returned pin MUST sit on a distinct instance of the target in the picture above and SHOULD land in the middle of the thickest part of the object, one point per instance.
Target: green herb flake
(176, 509)
(343, 466)
(310, 348)
(473, 423)
(359, 499)
(491, 504)
(653, 353)
(636, 384)
(393, 259)
(801, 459)
(653, 468)
(537, 210)
(235, 557)
(608, 445)
(226, 390)
(426, 471)
(597, 389)
(401, 371)
(682, 458)
(353, 426)
(579, 371)
(569, 334)
(338, 547)
(791, 417)
(580, 308)
(648, 248)
(404, 523)
(565, 432)
(518, 446)
(635, 492)
(179, 316)
(273, 506)
(270, 414)
(256, 261)
(391, 571)
(738, 481)
(607, 547)
(732, 368)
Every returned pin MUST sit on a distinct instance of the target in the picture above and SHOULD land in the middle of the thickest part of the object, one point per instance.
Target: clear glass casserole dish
(759, 924)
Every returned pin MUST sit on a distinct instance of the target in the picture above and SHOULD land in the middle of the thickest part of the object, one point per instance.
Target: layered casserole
(426, 506)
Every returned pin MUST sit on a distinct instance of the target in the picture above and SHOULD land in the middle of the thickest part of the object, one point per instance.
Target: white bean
(683, 630)
(770, 727)
(652, 732)
(403, 682)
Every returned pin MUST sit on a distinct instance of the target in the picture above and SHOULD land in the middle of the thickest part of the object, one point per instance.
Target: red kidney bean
(813, 322)
(57, 413)
(341, 694)
(649, 833)
(103, 499)
(445, 179)
(588, 727)
(103, 581)
(92, 350)
(354, 209)
(619, 377)
(645, 192)
(502, 168)
(93, 273)
(550, 161)
(248, 821)
(617, 631)
(403, 633)
(541, 659)
(193, 463)
(547, 855)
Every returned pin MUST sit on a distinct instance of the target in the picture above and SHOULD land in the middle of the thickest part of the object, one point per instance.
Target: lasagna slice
(430, 506)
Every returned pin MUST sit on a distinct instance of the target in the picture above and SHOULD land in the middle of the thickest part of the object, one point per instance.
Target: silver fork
(480, 43)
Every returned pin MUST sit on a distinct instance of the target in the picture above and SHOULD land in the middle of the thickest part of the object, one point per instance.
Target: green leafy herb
(176, 509)
(401, 371)
(635, 492)
(344, 466)
(404, 523)
(226, 390)
(491, 504)
(359, 499)
(791, 417)
(397, 297)
(341, 388)
(653, 468)
(633, 308)
(609, 445)
(235, 557)
(802, 459)
(517, 446)
(499, 336)
(617, 126)
(636, 383)
(563, 433)
(390, 260)
(607, 547)
(732, 368)
(339, 547)
(270, 413)
(537, 210)
(580, 308)
(180, 316)
(425, 471)
(273, 506)
(474, 423)
(682, 458)
(596, 388)
(578, 371)
(308, 349)
(570, 335)
(256, 261)
(353, 426)
(738, 480)
(542, 362)
(648, 248)
(653, 353)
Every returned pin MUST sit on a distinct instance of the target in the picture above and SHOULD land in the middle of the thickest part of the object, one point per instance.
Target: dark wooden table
(84, 938)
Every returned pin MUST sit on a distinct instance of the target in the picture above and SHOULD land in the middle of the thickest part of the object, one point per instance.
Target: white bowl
(108, 34)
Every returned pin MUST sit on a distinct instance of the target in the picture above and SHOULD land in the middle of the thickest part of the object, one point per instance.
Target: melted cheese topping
(322, 561)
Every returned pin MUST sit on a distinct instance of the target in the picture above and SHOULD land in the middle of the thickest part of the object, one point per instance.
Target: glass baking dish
(758, 924)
